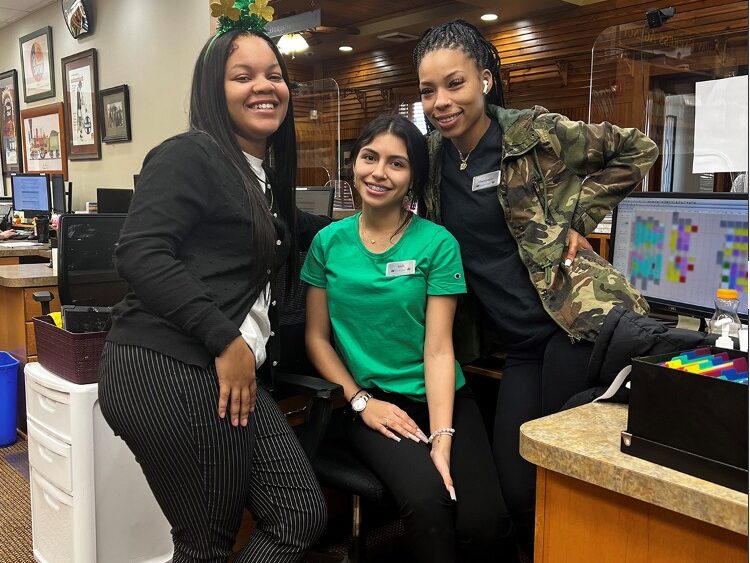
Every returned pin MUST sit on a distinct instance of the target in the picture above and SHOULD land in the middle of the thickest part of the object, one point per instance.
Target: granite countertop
(6, 250)
(26, 275)
(584, 443)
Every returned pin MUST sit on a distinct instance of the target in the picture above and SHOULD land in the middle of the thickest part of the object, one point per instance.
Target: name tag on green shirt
(403, 268)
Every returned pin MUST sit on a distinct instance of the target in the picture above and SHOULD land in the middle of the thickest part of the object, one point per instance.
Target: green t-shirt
(378, 302)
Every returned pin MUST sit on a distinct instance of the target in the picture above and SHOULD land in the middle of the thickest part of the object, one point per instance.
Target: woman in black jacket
(209, 225)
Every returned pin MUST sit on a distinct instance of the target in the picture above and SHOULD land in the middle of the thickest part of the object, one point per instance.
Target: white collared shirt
(256, 328)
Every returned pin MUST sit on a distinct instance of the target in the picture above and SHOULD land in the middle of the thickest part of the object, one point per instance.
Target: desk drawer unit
(90, 502)
(50, 457)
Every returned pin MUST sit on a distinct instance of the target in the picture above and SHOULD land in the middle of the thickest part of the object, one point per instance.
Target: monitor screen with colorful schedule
(678, 249)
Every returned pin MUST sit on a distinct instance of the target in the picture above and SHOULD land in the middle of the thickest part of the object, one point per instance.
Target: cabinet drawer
(49, 409)
(50, 457)
(30, 340)
(32, 308)
(51, 521)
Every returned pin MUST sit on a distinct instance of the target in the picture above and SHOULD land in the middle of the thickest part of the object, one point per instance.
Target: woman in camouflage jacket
(520, 189)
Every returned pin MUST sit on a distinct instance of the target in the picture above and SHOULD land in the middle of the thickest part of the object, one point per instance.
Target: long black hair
(416, 151)
(460, 34)
(209, 114)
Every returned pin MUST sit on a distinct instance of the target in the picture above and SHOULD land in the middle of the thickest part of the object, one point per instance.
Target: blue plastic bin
(8, 394)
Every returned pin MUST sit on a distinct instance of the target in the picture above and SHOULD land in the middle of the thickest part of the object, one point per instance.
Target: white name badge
(485, 181)
(403, 268)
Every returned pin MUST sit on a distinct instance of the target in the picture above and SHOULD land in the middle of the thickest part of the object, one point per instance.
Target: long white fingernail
(414, 438)
(452, 493)
(568, 262)
(395, 437)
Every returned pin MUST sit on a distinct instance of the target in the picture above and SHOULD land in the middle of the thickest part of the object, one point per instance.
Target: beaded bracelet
(441, 432)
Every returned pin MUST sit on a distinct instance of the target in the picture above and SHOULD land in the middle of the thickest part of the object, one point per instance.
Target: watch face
(359, 404)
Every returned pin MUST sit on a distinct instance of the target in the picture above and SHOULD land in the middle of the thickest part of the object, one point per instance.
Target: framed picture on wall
(10, 124)
(43, 130)
(37, 70)
(81, 115)
(114, 104)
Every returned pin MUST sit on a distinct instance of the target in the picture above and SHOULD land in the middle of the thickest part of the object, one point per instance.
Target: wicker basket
(72, 356)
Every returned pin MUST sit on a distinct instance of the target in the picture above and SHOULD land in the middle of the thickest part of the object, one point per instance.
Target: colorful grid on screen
(733, 258)
(645, 257)
(680, 239)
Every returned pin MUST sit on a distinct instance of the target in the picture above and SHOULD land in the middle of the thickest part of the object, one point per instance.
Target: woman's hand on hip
(390, 421)
(577, 241)
(441, 457)
(235, 369)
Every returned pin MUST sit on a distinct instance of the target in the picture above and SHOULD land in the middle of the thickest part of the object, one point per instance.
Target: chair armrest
(292, 383)
(322, 394)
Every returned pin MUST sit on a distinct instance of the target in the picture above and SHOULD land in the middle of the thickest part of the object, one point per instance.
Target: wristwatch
(359, 402)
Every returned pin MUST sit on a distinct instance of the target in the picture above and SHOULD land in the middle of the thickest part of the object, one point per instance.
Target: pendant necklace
(464, 159)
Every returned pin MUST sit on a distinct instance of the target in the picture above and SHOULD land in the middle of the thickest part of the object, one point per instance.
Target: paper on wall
(721, 125)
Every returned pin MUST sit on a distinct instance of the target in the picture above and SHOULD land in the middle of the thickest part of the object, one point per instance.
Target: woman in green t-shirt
(384, 284)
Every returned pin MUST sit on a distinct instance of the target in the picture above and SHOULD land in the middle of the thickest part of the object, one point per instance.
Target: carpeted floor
(15, 508)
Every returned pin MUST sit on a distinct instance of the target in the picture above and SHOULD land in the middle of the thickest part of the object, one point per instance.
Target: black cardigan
(183, 253)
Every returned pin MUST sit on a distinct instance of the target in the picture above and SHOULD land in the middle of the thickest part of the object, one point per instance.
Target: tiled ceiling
(12, 10)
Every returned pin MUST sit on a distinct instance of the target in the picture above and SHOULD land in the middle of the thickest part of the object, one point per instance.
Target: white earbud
(486, 86)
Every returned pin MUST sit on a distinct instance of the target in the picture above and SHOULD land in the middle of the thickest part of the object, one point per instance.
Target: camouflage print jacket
(557, 174)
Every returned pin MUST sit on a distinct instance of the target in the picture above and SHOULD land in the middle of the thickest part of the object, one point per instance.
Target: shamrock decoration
(261, 9)
(225, 8)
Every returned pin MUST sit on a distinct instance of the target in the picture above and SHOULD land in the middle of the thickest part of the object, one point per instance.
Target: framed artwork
(10, 124)
(81, 115)
(43, 131)
(114, 104)
(37, 70)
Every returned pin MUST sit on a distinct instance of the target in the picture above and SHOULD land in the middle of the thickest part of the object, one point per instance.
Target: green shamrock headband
(250, 15)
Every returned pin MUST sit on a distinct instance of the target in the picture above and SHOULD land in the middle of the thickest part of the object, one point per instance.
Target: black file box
(689, 422)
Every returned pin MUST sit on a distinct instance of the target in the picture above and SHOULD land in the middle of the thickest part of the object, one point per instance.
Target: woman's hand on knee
(441, 457)
(235, 369)
(391, 421)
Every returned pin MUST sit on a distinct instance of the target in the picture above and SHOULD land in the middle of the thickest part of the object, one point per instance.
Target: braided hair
(460, 34)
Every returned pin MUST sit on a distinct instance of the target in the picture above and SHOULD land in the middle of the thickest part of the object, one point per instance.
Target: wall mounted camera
(77, 16)
(656, 18)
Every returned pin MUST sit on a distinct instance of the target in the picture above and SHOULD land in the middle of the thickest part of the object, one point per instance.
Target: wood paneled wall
(546, 57)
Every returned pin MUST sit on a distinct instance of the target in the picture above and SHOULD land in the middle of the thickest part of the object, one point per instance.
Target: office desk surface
(8, 251)
(26, 275)
(584, 443)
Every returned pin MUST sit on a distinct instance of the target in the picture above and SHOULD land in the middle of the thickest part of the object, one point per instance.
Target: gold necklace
(366, 237)
(463, 158)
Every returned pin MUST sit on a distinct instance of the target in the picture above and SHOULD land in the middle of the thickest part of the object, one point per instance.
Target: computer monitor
(113, 200)
(6, 206)
(58, 194)
(317, 200)
(86, 268)
(31, 194)
(677, 249)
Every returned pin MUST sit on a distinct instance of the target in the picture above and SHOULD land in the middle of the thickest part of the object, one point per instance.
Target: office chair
(321, 435)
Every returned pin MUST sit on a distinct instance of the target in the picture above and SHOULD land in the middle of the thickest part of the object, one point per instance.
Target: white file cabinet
(89, 499)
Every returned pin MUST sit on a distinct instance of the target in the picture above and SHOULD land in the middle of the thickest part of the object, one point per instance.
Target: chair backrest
(86, 268)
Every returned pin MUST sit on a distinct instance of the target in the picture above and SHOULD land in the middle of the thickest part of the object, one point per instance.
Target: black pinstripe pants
(201, 469)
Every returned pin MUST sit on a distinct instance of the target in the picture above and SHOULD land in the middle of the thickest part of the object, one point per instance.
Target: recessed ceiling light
(488, 17)
(345, 49)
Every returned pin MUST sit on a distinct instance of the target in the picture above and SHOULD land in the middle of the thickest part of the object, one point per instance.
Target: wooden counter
(10, 255)
(17, 307)
(597, 504)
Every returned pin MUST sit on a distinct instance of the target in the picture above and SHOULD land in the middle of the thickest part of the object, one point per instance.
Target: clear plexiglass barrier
(317, 118)
(686, 87)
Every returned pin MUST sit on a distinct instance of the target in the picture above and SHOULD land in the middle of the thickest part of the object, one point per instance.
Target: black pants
(202, 470)
(534, 384)
(477, 527)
